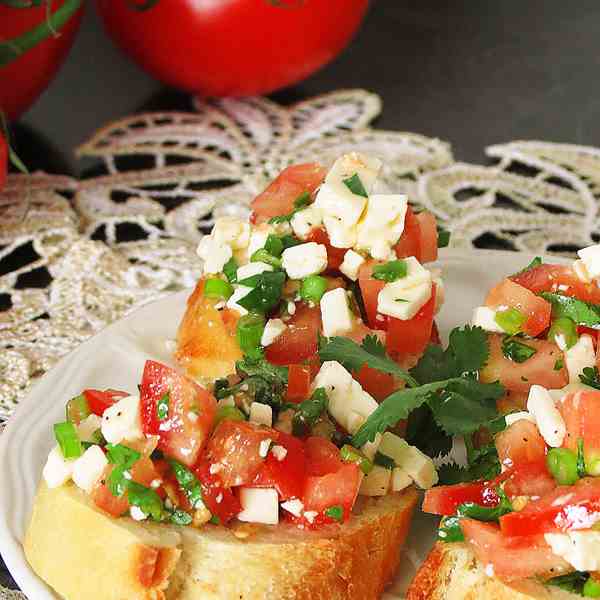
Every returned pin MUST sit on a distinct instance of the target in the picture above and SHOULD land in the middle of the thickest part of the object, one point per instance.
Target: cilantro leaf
(372, 344)
(468, 351)
(483, 464)
(517, 351)
(536, 262)
(591, 377)
(583, 313)
(423, 431)
(353, 357)
(302, 201)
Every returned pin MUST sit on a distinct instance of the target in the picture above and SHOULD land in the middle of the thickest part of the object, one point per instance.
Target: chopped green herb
(262, 255)
(485, 513)
(449, 530)
(581, 468)
(536, 262)
(215, 520)
(563, 332)
(372, 344)
(582, 313)
(268, 287)
(443, 237)
(383, 460)
(355, 185)
(180, 517)
(230, 270)
(188, 482)
(274, 245)
(571, 582)
(123, 458)
(78, 409)
(335, 512)
(517, 351)
(289, 241)
(591, 377)
(309, 411)
(302, 201)
(511, 320)
(313, 288)
(217, 288)
(390, 271)
(146, 499)
(162, 407)
(250, 329)
(68, 440)
(483, 464)
(350, 454)
(559, 364)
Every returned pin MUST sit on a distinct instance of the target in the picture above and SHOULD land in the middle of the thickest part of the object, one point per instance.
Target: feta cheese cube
(259, 505)
(88, 468)
(88, 427)
(232, 232)
(590, 257)
(273, 329)
(400, 479)
(351, 264)
(337, 201)
(340, 235)
(261, 414)
(419, 467)
(137, 514)
(522, 415)
(581, 271)
(547, 417)
(121, 421)
(304, 260)
(376, 482)
(304, 221)
(581, 549)
(251, 269)
(400, 302)
(336, 313)
(485, 317)
(263, 448)
(258, 239)
(580, 356)
(294, 507)
(57, 470)
(214, 254)
(279, 452)
(239, 291)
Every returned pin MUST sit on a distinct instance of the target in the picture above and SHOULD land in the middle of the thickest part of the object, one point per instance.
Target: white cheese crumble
(590, 257)
(57, 470)
(121, 421)
(137, 514)
(304, 259)
(273, 329)
(88, 468)
(579, 356)
(522, 415)
(214, 253)
(279, 452)
(261, 414)
(239, 291)
(294, 507)
(351, 264)
(259, 505)
(581, 549)
(335, 313)
(547, 417)
(485, 317)
(304, 221)
(264, 446)
(251, 269)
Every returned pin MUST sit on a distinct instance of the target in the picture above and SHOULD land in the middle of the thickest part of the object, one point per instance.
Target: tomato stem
(12, 49)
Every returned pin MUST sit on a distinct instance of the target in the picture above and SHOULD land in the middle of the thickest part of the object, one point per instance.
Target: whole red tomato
(232, 47)
(25, 77)
(3, 160)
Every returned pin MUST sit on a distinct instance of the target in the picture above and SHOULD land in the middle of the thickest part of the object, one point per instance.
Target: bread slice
(452, 572)
(84, 554)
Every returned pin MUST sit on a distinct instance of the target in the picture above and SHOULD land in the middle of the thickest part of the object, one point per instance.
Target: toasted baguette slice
(84, 554)
(452, 572)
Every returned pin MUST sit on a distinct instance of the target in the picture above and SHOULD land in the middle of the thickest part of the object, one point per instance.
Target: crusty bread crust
(452, 572)
(84, 554)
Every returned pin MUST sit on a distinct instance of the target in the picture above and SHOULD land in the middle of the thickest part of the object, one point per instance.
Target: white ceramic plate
(115, 358)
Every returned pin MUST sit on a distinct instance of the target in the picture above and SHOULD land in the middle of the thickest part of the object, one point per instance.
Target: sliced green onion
(591, 588)
(350, 454)
(313, 288)
(274, 245)
(511, 320)
(217, 288)
(268, 288)
(123, 458)
(390, 271)
(230, 413)
(230, 270)
(309, 411)
(517, 351)
(188, 482)
(78, 409)
(162, 407)
(563, 332)
(68, 440)
(355, 185)
(263, 256)
(450, 530)
(250, 329)
(146, 499)
(383, 460)
(562, 464)
(335, 512)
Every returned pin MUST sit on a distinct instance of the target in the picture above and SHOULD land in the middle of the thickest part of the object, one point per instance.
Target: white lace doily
(76, 255)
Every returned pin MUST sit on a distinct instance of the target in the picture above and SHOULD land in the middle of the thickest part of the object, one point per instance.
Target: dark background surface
(473, 73)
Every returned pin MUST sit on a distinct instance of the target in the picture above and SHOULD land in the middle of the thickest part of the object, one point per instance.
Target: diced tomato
(299, 379)
(566, 508)
(333, 489)
(335, 256)
(520, 443)
(380, 385)
(369, 290)
(220, 500)
(287, 476)
(409, 243)
(445, 499)
(191, 412)
(299, 342)
(280, 195)
(143, 472)
(536, 309)
(99, 400)
(540, 369)
(3, 160)
(411, 336)
(512, 557)
(428, 242)
(235, 449)
(322, 456)
(558, 278)
(528, 479)
(581, 413)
